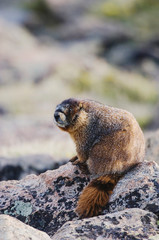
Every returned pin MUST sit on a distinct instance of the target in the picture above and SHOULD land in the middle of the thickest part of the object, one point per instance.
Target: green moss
(139, 14)
(109, 86)
(144, 121)
(82, 83)
(115, 9)
(123, 8)
(41, 9)
(138, 90)
(115, 86)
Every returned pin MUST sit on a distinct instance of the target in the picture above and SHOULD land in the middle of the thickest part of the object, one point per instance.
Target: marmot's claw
(76, 162)
(73, 159)
(82, 166)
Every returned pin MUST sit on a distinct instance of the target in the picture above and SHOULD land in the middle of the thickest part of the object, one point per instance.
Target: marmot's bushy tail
(96, 195)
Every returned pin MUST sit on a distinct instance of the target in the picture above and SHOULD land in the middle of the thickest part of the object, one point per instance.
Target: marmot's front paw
(82, 166)
(73, 159)
(76, 161)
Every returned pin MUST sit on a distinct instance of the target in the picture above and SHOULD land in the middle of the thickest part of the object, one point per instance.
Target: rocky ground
(51, 50)
(47, 202)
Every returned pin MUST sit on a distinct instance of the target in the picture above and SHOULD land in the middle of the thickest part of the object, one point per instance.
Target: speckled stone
(152, 146)
(130, 224)
(46, 201)
(139, 188)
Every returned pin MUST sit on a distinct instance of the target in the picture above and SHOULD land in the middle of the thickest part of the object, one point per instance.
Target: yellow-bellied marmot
(108, 141)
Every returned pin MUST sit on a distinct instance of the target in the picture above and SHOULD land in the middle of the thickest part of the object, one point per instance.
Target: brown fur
(108, 142)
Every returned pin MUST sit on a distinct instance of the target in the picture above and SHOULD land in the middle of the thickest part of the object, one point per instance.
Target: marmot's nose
(56, 116)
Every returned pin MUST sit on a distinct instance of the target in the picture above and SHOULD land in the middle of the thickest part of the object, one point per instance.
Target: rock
(13, 229)
(3, 110)
(152, 146)
(90, 28)
(130, 224)
(125, 52)
(17, 168)
(46, 201)
(71, 9)
(32, 62)
(139, 188)
(17, 15)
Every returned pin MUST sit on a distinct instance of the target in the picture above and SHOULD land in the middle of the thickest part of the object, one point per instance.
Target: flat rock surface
(13, 229)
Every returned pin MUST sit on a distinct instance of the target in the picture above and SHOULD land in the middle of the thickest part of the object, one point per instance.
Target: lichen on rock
(48, 201)
(130, 224)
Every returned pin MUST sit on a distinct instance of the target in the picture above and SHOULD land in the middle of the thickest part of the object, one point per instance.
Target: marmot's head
(69, 114)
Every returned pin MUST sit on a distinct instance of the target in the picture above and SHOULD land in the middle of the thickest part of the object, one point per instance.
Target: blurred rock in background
(54, 49)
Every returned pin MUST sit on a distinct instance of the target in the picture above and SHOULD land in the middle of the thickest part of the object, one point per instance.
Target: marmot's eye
(75, 117)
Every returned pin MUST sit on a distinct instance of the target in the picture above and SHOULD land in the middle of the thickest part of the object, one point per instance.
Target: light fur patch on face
(62, 116)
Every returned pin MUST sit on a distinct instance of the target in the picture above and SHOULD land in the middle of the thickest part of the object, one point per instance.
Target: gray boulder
(152, 146)
(130, 224)
(139, 188)
(48, 201)
(13, 229)
(16, 168)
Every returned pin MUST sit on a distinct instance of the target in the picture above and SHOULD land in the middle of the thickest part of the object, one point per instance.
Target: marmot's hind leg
(96, 195)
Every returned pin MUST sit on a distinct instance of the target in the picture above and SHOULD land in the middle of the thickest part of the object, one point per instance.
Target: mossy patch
(140, 14)
(136, 89)
(43, 11)
(144, 121)
(123, 8)
(116, 85)
(128, 89)
(82, 83)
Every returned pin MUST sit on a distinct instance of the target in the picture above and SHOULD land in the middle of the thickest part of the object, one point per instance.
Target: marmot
(108, 141)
